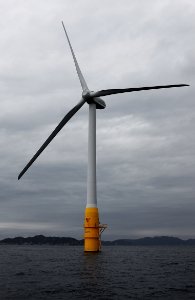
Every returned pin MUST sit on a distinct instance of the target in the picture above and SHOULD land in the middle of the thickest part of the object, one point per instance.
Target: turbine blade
(80, 75)
(128, 90)
(67, 117)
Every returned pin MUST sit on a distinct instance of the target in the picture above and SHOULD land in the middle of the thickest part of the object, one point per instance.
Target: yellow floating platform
(92, 230)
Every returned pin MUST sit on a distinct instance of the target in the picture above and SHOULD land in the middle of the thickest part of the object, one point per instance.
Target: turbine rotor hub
(86, 94)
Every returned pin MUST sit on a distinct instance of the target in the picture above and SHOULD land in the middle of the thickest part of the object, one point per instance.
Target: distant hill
(147, 241)
(41, 240)
(154, 241)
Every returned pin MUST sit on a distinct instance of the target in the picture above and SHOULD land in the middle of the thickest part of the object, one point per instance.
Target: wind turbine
(92, 226)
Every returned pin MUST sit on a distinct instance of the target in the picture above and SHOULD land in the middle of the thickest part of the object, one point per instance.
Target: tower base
(92, 230)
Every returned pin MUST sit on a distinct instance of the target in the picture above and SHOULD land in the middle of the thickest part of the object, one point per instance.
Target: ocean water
(118, 272)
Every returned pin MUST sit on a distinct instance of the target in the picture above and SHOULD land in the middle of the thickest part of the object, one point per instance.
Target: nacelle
(88, 96)
(100, 104)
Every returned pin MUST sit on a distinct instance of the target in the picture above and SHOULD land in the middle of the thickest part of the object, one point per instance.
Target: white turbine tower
(92, 227)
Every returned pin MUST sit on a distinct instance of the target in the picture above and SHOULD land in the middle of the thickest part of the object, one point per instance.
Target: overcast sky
(145, 140)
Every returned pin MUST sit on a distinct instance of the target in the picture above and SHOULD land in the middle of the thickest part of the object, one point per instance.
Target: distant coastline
(69, 241)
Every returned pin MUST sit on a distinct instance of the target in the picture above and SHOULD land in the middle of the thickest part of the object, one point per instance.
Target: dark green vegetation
(147, 241)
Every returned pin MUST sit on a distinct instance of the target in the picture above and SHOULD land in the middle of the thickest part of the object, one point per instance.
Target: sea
(117, 272)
